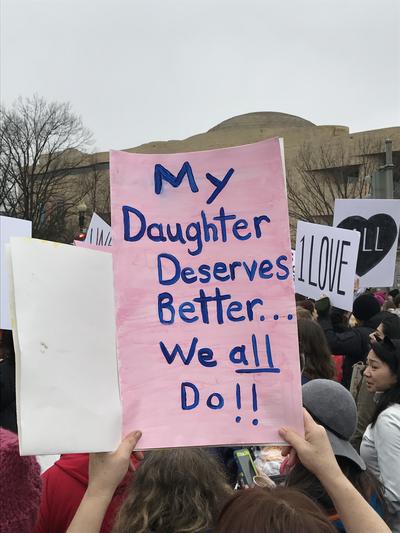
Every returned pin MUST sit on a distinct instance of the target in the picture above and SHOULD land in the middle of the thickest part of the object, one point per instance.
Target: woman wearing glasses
(380, 447)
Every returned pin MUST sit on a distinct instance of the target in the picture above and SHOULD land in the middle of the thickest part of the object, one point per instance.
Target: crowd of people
(343, 475)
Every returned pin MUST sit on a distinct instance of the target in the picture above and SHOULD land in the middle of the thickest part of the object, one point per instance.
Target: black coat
(353, 344)
(8, 415)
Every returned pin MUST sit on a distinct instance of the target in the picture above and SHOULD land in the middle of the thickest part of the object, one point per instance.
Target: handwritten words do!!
(207, 338)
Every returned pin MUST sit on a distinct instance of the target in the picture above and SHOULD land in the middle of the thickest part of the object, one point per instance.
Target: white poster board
(99, 232)
(326, 263)
(9, 227)
(67, 379)
(377, 221)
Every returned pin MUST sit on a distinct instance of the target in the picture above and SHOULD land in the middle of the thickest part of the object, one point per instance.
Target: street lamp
(82, 207)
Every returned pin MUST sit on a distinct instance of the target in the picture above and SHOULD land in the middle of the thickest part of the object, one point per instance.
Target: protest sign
(9, 227)
(377, 221)
(206, 327)
(326, 263)
(64, 336)
(83, 244)
(99, 232)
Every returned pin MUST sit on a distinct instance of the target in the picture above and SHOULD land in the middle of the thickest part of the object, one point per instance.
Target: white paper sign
(326, 261)
(377, 221)
(9, 227)
(67, 379)
(99, 232)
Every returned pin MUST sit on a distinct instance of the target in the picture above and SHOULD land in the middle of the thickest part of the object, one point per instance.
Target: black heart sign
(378, 234)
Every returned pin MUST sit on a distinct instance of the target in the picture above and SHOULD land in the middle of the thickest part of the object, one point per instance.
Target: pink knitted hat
(20, 487)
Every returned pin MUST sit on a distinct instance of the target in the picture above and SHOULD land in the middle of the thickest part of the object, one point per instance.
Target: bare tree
(329, 171)
(41, 145)
(97, 183)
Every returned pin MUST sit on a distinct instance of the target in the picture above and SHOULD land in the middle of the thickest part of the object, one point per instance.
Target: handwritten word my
(161, 173)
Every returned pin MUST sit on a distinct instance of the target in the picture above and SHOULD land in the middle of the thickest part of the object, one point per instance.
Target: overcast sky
(142, 70)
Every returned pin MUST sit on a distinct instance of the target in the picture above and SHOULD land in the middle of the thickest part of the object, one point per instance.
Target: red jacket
(64, 485)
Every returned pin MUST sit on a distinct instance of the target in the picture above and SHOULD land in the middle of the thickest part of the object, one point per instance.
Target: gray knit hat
(332, 406)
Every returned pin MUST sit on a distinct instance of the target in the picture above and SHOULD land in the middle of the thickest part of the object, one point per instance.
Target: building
(321, 161)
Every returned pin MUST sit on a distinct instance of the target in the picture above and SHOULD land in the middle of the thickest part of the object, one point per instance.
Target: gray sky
(141, 70)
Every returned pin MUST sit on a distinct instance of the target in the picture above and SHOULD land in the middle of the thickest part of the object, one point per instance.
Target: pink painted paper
(150, 387)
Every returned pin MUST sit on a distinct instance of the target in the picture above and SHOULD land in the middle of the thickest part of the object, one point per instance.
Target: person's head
(365, 307)
(382, 373)
(390, 327)
(333, 407)
(20, 487)
(393, 293)
(277, 510)
(388, 305)
(303, 313)
(396, 300)
(180, 490)
(309, 305)
(318, 362)
(339, 319)
(380, 297)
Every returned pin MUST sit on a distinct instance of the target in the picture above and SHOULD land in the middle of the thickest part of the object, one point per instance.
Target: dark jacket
(353, 344)
(8, 414)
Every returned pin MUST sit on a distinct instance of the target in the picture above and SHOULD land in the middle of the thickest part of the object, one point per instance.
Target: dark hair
(303, 313)
(397, 300)
(277, 510)
(388, 351)
(180, 490)
(391, 326)
(340, 320)
(307, 304)
(318, 362)
(362, 480)
(388, 305)
(6, 345)
(394, 292)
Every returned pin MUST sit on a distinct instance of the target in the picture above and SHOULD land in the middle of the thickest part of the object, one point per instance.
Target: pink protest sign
(206, 326)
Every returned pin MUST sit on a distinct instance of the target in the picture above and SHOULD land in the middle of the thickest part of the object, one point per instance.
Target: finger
(292, 459)
(309, 422)
(291, 437)
(129, 443)
(139, 455)
(285, 451)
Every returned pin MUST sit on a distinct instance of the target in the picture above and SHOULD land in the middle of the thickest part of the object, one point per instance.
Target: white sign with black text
(326, 261)
(377, 222)
(99, 232)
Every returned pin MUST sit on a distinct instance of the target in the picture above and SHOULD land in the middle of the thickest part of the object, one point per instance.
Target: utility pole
(382, 179)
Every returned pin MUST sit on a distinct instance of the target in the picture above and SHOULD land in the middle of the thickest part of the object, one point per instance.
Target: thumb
(128, 444)
(291, 437)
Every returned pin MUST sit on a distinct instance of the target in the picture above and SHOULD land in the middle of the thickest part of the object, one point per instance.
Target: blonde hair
(180, 490)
